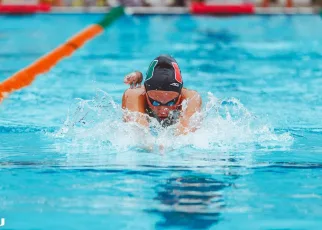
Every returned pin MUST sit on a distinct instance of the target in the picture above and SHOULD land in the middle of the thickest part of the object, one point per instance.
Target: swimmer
(162, 96)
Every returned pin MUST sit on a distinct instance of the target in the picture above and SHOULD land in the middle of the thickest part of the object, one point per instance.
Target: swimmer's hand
(134, 79)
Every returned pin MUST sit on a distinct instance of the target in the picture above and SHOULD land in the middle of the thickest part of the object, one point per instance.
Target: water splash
(227, 124)
(222, 125)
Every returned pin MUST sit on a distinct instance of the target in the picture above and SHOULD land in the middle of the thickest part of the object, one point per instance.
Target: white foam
(222, 125)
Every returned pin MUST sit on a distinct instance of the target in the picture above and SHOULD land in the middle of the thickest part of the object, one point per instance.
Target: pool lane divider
(27, 75)
(24, 9)
(222, 9)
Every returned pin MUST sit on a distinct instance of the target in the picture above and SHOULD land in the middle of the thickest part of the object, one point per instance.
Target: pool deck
(183, 10)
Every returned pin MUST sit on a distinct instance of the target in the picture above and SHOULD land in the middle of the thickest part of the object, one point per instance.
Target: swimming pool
(254, 164)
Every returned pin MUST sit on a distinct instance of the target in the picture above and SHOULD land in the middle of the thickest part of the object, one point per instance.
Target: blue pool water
(67, 161)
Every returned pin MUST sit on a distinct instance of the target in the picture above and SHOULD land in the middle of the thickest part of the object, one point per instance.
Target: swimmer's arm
(194, 103)
(134, 106)
(133, 111)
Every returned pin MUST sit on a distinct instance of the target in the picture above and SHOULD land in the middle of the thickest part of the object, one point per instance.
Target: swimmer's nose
(163, 112)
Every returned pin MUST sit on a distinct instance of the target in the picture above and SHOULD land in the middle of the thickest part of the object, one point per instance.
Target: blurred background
(159, 3)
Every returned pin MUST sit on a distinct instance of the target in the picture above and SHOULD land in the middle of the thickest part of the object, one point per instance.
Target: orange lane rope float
(27, 75)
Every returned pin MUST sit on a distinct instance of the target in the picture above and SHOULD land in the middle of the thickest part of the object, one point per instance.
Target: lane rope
(26, 76)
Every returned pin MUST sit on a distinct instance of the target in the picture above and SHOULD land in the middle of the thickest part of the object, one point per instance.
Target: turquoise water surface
(67, 161)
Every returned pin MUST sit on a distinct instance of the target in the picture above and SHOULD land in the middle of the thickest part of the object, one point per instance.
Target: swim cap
(163, 74)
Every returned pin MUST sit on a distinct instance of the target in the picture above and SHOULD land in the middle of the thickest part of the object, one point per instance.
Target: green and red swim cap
(164, 74)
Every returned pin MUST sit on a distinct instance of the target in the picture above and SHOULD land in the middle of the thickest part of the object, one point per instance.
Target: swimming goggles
(173, 102)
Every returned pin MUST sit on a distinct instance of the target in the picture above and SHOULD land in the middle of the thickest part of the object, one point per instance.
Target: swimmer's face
(162, 102)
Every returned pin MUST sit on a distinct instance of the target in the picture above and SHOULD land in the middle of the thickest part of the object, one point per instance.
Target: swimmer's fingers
(129, 78)
(134, 79)
(137, 83)
(139, 77)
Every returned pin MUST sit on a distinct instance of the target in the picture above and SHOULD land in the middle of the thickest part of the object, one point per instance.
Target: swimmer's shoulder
(134, 100)
(190, 94)
(136, 92)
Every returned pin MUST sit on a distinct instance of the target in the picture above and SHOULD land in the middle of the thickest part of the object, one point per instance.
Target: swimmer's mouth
(170, 119)
(166, 121)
